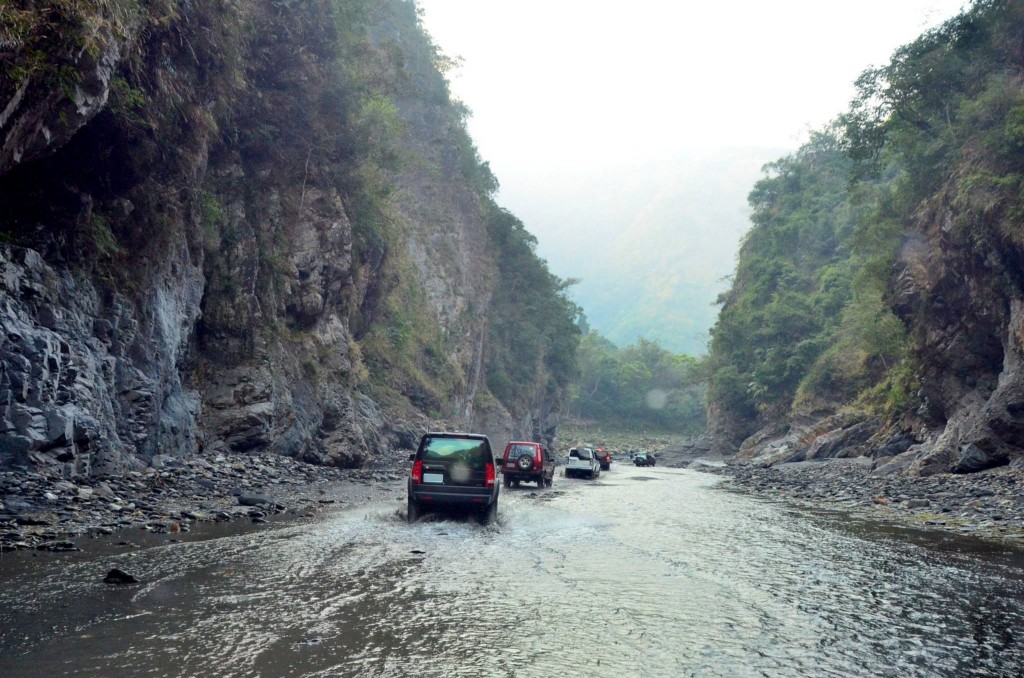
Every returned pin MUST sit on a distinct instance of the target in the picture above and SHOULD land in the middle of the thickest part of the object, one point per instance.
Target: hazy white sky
(639, 126)
(579, 81)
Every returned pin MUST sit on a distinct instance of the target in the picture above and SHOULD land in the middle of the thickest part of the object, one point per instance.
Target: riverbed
(648, 571)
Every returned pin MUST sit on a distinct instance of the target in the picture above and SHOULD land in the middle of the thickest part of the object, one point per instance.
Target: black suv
(453, 470)
(644, 459)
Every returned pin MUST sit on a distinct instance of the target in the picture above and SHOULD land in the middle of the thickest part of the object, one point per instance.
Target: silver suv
(582, 461)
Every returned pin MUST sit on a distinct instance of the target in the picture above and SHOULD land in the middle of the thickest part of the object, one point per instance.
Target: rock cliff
(964, 304)
(890, 324)
(244, 226)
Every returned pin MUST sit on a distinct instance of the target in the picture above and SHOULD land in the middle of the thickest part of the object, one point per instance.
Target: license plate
(433, 477)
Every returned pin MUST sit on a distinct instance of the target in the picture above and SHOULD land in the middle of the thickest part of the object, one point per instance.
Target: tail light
(417, 472)
(488, 475)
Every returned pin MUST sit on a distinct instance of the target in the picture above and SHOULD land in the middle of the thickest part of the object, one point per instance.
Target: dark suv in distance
(644, 459)
(451, 471)
(530, 462)
(604, 458)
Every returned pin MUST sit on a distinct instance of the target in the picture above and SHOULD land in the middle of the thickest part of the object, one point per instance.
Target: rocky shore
(40, 509)
(988, 504)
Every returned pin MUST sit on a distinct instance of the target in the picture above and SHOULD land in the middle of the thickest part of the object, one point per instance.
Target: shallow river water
(644, 572)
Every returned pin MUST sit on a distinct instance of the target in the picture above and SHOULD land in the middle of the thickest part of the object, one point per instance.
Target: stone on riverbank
(256, 500)
(116, 576)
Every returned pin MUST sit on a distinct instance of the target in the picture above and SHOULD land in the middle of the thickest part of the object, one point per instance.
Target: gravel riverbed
(43, 510)
(989, 504)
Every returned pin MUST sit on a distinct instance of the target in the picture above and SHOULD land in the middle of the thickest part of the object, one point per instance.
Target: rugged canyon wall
(959, 287)
(877, 307)
(237, 226)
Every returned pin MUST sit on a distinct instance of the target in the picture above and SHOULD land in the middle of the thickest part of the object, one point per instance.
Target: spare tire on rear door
(524, 462)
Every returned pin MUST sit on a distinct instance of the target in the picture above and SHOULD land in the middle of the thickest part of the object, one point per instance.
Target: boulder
(256, 500)
(843, 442)
(116, 576)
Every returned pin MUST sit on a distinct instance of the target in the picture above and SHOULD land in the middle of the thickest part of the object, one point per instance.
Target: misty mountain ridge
(654, 243)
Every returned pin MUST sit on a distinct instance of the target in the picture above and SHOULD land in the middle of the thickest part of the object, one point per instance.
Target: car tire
(489, 514)
(550, 481)
(413, 512)
(515, 483)
(540, 482)
(508, 482)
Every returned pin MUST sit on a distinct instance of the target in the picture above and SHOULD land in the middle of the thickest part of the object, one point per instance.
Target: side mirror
(412, 457)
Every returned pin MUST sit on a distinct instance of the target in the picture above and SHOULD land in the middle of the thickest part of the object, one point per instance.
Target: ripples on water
(669, 576)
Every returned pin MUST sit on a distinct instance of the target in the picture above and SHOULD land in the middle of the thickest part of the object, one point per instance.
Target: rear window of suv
(580, 454)
(468, 451)
(519, 450)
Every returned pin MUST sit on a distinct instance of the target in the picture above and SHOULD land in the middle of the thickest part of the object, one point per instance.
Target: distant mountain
(652, 241)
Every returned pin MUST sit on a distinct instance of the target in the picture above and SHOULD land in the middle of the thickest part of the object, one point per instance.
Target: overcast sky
(578, 81)
(578, 102)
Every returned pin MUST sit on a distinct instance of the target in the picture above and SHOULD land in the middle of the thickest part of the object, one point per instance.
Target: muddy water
(644, 572)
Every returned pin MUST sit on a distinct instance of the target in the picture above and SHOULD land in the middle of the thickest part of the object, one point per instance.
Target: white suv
(582, 461)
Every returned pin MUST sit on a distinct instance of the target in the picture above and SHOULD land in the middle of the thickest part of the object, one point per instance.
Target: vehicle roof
(455, 434)
(523, 442)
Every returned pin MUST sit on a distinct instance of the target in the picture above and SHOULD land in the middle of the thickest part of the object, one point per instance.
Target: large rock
(843, 442)
(84, 380)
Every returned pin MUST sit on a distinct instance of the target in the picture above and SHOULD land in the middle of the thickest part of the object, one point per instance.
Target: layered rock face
(192, 266)
(964, 306)
(87, 374)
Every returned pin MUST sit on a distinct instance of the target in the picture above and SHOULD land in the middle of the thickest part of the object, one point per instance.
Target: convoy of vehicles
(529, 462)
(457, 471)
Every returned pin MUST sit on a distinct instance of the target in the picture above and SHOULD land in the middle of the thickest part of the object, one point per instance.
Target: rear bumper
(452, 495)
(523, 475)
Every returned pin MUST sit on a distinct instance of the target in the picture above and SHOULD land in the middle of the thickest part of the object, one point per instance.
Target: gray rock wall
(89, 379)
(188, 279)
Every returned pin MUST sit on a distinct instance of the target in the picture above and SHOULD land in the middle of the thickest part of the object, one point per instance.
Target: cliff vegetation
(876, 305)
